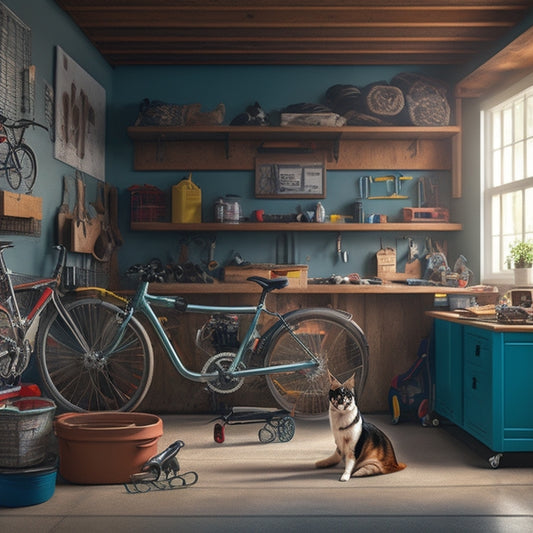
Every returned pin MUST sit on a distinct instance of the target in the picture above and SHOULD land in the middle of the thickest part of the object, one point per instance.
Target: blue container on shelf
(22, 487)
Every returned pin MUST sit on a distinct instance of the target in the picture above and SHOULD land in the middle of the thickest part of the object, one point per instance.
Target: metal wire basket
(25, 427)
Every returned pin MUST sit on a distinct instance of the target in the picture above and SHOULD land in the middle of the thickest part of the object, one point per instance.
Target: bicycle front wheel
(21, 168)
(86, 378)
(340, 347)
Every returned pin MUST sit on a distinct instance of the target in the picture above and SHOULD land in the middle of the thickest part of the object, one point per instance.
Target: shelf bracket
(226, 145)
(336, 148)
(160, 149)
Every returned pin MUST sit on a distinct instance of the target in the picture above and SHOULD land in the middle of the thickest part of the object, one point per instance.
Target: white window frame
(487, 191)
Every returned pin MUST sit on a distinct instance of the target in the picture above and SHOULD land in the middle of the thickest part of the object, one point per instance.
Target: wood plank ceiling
(289, 32)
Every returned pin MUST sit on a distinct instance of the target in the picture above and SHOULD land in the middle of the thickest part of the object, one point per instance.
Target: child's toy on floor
(410, 391)
(277, 423)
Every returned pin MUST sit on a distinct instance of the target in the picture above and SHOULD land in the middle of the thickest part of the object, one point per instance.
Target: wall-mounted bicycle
(17, 159)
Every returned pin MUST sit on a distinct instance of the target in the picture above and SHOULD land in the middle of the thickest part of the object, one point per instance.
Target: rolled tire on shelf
(384, 101)
(426, 99)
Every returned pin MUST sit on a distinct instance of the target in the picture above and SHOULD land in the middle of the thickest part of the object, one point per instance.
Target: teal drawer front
(477, 350)
(478, 412)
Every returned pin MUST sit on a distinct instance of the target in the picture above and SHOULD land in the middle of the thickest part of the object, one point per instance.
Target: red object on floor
(23, 389)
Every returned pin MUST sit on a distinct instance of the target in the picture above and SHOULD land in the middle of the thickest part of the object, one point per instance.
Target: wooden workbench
(392, 316)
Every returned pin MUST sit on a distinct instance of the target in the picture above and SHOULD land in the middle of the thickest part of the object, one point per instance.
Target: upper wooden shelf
(222, 148)
(284, 133)
(296, 226)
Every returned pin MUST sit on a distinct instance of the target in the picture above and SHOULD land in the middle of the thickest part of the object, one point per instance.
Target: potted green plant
(521, 259)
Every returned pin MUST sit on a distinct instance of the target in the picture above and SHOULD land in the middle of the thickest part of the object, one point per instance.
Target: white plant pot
(523, 276)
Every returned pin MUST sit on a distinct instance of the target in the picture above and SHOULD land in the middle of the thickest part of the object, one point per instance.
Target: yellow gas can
(186, 202)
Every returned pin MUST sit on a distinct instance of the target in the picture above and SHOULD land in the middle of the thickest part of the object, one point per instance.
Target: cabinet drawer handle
(478, 350)
(474, 383)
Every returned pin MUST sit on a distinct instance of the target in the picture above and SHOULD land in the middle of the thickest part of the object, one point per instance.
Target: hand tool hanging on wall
(396, 180)
(105, 244)
(341, 254)
(85, 226)
(64, 214)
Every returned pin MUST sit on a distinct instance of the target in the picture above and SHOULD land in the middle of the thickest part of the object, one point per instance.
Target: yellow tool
(397, 186)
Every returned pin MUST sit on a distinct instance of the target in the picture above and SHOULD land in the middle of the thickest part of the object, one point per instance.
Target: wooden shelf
(222, 148)
(296, 226)
(283, 133)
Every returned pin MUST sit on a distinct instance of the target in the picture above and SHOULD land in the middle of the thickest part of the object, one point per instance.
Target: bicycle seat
(269, 284)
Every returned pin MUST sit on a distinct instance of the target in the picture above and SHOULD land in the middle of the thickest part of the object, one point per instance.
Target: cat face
(342, 398)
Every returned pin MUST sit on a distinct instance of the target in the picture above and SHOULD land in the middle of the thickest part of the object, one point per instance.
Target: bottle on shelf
(320, 214)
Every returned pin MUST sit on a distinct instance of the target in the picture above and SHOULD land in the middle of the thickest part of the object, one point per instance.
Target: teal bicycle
(111, 368)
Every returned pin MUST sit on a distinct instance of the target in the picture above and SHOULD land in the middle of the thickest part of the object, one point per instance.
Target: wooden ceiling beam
(290, 17)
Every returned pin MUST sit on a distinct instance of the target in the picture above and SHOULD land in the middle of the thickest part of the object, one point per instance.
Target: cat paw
(344, 477)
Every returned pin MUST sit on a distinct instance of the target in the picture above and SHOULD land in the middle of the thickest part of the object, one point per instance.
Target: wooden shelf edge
(296, 226)
(176, 133)
(247, 288)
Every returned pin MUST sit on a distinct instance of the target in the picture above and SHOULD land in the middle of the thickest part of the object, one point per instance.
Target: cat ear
(335, 384)
(350, 383)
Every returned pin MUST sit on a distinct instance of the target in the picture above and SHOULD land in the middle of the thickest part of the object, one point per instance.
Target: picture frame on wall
(290, 176)
(80, 103)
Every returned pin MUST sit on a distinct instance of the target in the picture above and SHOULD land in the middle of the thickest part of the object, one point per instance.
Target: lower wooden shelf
(296, 226)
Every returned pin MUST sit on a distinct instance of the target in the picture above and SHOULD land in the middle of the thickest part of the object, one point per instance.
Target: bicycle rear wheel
(24, 173)
(81, 378)
(339, 345)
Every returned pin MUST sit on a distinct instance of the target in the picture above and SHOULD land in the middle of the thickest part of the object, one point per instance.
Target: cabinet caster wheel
(219, 433)
(494, 461)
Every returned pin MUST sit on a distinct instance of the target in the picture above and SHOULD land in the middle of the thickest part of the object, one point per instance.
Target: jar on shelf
(232, 209)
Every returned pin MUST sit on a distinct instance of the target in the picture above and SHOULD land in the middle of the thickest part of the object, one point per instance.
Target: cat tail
(374, 467)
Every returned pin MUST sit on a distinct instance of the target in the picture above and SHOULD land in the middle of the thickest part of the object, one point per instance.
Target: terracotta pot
(105, 447)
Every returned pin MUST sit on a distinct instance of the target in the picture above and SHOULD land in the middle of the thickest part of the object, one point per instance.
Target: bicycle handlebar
(21, 123)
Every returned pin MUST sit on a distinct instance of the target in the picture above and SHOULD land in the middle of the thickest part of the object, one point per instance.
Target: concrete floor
(246, 486)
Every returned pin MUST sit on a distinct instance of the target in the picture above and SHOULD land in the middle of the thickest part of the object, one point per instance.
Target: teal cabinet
(449, 371)
(483, 382)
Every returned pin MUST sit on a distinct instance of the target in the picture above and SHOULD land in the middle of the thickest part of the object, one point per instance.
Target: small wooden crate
(20, 205)
(296, 274)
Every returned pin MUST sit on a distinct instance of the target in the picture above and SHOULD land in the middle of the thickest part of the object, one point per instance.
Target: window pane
(529, 124)
(507, 242)
(529, 210)
(496, 228)
(512, 214)
(496, 255)
(529, 158)
(519, 120)
(507, 126)
(497, 127)
(519, 161)
(496, 169)
(507, 165)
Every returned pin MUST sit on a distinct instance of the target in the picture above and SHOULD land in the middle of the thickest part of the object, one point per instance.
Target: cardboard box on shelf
(296, 274)
(20, 205)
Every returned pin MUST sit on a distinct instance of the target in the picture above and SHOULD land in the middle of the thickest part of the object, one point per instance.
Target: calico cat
(366, 450)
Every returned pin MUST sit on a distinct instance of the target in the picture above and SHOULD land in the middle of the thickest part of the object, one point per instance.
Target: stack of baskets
(27, 474)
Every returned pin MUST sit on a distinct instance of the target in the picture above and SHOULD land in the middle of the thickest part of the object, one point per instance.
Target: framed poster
(79, 117)
(290, 176)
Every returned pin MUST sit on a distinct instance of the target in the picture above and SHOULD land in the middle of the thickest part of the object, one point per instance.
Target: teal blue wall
(50, 27)
(273, 87)
(237, 87)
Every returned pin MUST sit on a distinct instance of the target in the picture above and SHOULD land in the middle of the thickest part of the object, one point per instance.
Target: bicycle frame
(142, 302)
(28, 325)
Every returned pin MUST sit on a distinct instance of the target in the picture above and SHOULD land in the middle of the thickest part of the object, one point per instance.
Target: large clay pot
(105, 447)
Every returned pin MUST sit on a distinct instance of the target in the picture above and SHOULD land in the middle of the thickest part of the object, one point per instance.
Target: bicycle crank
(224, 383)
